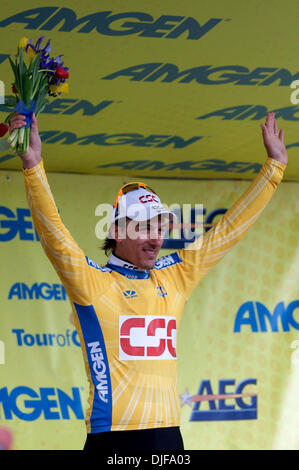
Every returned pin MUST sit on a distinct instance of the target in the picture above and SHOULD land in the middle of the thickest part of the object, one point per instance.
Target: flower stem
(13, 142)
(21, 136)
(12, 136)
(26, 140)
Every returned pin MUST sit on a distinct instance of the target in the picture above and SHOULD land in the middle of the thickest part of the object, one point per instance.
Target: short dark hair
(109, 245)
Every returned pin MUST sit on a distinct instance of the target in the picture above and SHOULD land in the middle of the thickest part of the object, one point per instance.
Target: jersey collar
(127, 269)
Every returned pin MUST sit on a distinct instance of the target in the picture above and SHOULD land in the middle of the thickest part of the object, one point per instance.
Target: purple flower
(46, 62)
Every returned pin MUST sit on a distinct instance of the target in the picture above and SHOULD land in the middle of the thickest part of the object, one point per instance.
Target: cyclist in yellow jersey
(133, 399)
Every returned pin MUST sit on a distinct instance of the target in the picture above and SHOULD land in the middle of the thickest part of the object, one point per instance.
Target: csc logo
(148, 198)
(147, 338)
(16, 223)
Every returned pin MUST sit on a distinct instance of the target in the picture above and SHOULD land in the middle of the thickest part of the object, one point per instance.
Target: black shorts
(143, 439)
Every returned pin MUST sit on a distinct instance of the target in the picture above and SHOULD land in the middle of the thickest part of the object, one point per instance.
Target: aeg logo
(147, 338)
(148, 198)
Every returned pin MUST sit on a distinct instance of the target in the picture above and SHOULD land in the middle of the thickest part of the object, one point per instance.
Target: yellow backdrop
(172, 89)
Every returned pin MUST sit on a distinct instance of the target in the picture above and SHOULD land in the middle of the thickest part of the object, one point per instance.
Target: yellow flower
(53, 89)
(63, 88)
(31, 53)
(23, 42)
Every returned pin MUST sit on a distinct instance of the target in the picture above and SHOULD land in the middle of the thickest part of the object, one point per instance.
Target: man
(131, 367)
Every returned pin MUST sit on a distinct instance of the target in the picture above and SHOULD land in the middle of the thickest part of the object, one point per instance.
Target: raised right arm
(65, 255)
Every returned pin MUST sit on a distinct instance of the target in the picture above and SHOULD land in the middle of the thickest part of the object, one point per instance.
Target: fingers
(268, 119)
(281, 135)
(17, 121)
(275, 125)
(34, 122)
(264, 130)
(272, 126)
(270, 123)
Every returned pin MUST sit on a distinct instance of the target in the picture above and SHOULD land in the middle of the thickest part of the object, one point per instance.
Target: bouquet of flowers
(36, 76)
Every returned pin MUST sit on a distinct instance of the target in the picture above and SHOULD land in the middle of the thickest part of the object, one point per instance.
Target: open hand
(274, 141)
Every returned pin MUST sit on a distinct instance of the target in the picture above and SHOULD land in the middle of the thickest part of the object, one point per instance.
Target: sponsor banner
(140, 340)
(236, 346)
(224, 406)
(24, 338)
(35, 404)
(146, 102)
(43, 290)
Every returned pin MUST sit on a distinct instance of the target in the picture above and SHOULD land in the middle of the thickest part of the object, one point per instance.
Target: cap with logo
(138, 202)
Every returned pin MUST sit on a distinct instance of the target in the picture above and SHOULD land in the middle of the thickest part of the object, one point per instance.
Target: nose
(155, 234)
(155, 241)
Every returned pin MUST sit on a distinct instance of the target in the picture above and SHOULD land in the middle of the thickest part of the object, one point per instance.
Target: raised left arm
(208, 250)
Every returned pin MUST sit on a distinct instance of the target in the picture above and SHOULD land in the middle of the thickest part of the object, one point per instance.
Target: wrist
(281, 158)
(30, 162)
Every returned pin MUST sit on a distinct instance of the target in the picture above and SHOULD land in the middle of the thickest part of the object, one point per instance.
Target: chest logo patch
(147, 337)
(130, 294)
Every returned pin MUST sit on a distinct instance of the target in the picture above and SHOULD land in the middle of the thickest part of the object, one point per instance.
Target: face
(141, 243)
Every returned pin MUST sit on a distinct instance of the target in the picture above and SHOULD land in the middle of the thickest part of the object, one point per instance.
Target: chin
(152, 264)
(149, 264)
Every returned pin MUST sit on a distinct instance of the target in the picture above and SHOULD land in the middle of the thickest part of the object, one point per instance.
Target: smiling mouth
(150, 252)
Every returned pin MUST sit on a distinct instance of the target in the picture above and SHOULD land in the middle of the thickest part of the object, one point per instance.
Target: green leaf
(19, 81)
(41, 101)
(8, 118)
(36, 88)
(28, 88)
(35, 67)
(22, 65)
(13, 67)
(23, 75)
(16, 74)
(42, 107)
(35, 63)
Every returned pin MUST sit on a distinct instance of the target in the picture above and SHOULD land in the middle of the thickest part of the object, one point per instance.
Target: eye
(141, 227)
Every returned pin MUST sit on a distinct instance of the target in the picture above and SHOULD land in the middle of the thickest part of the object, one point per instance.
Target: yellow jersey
(128, 319)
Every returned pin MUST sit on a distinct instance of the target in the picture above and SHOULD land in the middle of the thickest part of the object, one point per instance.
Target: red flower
(14, 89)
(3, 129)
(61, 73)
